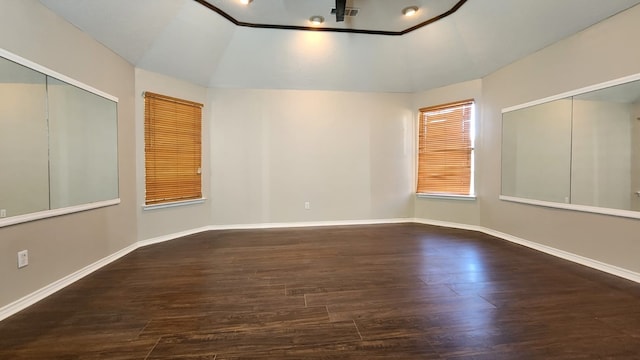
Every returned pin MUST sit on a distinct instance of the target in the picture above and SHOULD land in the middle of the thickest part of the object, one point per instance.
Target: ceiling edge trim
(309, 28)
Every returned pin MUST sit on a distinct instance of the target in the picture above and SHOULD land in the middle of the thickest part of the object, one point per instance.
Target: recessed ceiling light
(245, 2)
(410, 11)
(316, 20)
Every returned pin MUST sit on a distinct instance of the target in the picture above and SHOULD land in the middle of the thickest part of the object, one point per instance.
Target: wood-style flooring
(402, 291)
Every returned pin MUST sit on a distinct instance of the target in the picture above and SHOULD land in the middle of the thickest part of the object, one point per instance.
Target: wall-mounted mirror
(58, 144)
(536, 152)
(580, 149)
(24, 142)
(83, 138)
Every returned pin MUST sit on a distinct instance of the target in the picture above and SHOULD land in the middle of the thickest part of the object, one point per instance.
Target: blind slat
(445, 149)
(172, 149)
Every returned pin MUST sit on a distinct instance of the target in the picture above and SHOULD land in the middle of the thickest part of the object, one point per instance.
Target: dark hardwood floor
(404, 291)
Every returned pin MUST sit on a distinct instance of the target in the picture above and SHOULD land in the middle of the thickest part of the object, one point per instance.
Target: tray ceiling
(186, 40)
(366, 16)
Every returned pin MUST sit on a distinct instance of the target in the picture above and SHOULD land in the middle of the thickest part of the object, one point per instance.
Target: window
(445, 149)
(172, 137)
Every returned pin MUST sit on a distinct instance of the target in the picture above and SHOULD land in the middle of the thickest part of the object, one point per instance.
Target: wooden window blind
(445, 149)
(172, 138)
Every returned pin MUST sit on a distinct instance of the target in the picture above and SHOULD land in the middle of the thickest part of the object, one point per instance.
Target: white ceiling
(372, 15)
(183, 39)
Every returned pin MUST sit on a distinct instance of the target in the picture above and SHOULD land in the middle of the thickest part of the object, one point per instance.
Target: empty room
(315, 179)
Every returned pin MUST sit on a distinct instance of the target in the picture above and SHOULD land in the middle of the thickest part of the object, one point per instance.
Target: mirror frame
(17, 219)
(567, 206)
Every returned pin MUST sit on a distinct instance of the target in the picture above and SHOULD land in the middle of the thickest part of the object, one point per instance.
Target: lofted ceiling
(187, 40)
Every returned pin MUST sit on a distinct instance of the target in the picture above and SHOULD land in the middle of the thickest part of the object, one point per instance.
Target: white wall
(266, 152)
(456, 211)
(62, 245)
(347, 153)
(598, 54)
(160, 222)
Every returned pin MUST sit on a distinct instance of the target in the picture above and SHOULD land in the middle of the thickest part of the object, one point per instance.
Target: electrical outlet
(307, 205)
(3, 213)
(23, 258)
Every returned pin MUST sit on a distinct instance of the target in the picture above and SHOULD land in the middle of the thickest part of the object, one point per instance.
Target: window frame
(470, 195)
(191, 125)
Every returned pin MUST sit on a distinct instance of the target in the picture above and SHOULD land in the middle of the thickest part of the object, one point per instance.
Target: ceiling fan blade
(341, 6)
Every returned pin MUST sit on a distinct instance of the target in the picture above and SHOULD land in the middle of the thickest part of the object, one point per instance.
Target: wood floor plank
(399, 291)
(392, 348)
(379, 295)
(77, 348)
(260, 340)
(234, 321)
(407, 307)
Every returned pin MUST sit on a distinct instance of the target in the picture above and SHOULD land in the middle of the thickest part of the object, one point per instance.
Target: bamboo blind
(444, 157)
(172, 137)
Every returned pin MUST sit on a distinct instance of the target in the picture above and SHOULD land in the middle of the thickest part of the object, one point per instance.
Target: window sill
(173, 204)
(446, 197)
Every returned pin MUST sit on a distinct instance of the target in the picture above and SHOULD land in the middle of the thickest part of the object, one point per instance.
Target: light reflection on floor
(468, 272)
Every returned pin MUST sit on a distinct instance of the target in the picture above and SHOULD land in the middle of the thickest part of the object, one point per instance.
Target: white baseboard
(57, 285)
(310, 224)
(180, 234)
(163, 238)
(449, 224)
(595, 264)
(42, 293)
